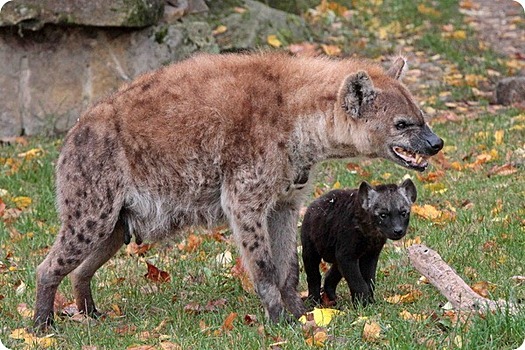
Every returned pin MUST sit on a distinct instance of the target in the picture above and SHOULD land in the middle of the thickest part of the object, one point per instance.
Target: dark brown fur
(220, 138)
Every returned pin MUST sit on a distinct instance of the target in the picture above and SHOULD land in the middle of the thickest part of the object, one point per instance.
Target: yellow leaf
(219, 30)
(409, 242)
(457, 34)
(331, 50)
(32, 153)
(407, 298)
(436, 187)
(336, 185)
(386, 176)
(426, 211)
(22, 202)
(318, 339)
(31, 339)
(322, 317)
(425, 10)
(371, 332)
(498, 136)
(273, 41)
(405, 315)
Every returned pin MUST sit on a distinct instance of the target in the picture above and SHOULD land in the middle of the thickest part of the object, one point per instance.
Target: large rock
(251, 28)
(50, 76)
(33, 14)
(510, 90)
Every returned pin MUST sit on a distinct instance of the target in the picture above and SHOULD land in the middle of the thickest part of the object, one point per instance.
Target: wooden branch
(446, 280)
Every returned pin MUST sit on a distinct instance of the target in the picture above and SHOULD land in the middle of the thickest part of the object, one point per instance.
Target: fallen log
(451, 285)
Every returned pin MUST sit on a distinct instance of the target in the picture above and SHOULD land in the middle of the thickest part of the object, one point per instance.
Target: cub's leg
(82, 275)
(282, 228)
(331, 280)
(311, 261)
(368, 267)
(350, 270)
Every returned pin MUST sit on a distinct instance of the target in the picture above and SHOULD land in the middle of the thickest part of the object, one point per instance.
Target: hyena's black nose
(398, 231)
(435, 143)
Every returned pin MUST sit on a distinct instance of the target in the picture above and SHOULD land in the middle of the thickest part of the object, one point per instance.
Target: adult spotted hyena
(221, 138)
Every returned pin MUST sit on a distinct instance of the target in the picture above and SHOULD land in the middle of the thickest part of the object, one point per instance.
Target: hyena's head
(388, 206)
(382, 119)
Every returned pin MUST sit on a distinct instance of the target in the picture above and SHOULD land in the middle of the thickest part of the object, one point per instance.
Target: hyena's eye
(383, 215)
(400, 125)
(404, 213)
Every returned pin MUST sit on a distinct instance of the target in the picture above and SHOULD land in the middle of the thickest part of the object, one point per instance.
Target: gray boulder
(510, 90)
(33, 14)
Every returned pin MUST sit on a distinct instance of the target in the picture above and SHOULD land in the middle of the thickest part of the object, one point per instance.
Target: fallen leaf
(498, 136)
(371, 332)
(141, 347)
(228, 322)
(322, 317)
(503, 170)
(426, 211)
(32, 153)
(483, 288)
(156, 275)
(409, 297)
(317, 339)
(219, 30)
(331, 50)
(32, 340)
(250, 320)
(224, 259)
(22, 202)
(304, 49)
(137, 249)
(166, 345)
(273, 41)
(24, 310)
(126, 329)
(405, 315)
(191, 243)
(238, 271)
(518, 279)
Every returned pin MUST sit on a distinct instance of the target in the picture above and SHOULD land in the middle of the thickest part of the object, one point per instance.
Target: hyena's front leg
(282, 227)
(247, 213)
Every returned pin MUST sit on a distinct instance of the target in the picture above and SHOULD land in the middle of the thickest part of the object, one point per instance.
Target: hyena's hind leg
(282, 227)
(90, 195)
(82, 275)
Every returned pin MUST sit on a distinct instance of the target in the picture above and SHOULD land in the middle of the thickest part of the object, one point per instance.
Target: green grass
(484, 242)
(196, 276)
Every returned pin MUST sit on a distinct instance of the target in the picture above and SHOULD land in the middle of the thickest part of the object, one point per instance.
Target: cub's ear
(398, 69)
(365, 195)
(356, 92)
(410, 190)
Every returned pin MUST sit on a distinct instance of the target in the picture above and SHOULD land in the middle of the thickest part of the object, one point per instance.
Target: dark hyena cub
(348, 229)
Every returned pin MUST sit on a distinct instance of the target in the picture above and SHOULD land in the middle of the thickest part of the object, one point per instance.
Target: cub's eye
(404, 213)
(401, 125)
(383, 215)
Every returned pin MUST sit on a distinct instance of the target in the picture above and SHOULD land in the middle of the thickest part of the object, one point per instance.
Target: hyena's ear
(356, 92)
(410, 190)
(366, 195)
(398, 69)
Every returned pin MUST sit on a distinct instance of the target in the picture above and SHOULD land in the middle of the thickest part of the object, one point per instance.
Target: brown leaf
(156, 275)
(137, 249)
(250, 320)
(166, 345)
(191, 243)
(483, 288)
(305, 49)
(503, 170)
(239, 272)
(141, 347)
(24, 310)
(126, 329)
(371, 332)
(228, 322)
(2, 207)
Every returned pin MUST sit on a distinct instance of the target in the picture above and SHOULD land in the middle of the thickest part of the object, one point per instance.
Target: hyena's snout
(433, 143)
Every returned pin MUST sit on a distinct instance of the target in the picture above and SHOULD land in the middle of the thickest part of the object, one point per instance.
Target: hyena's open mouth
(411, 159)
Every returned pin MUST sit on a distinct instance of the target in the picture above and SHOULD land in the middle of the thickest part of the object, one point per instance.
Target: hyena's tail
(90, 196)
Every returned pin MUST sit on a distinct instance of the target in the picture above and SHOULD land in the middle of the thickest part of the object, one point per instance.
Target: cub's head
(380, 118)
(388, 206)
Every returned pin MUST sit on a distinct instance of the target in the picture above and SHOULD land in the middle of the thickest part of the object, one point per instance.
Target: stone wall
(56, 61)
